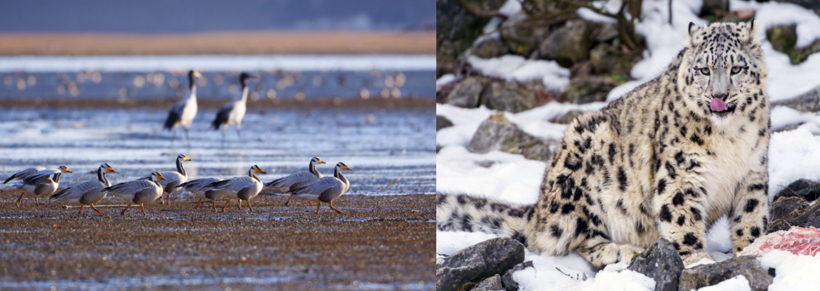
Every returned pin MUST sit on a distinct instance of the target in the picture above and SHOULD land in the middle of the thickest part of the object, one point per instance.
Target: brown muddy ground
(380, 242)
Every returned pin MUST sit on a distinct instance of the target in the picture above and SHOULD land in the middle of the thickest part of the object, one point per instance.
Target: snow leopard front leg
(748, 218)
(679, 203)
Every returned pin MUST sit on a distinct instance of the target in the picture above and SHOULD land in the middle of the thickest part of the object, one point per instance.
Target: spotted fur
(658, 162)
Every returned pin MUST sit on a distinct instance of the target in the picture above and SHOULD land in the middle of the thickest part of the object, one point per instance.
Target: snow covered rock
(466, 93)
(498, 133)
(797, 240)
(489, 48)
(712, 274)
(660, 262)
(488, 258)
(805, 188)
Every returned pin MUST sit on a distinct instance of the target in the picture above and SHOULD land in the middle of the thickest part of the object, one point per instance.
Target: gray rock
(568, 44)
(456, 28)
(442, 122)
(606, 59)
(789, 127)
(660, 262)
(806, 102)
(567, 118)
(781, 208)
(800, 216)
(523, 34)
(514, 96)
(490, 284)
(466, 93)
(607, 32)
(490, 48)
(711, 274)
(714, 7)
(808, 189)
(507, 280)
(473, 264)
(583, 90)
(497, 133)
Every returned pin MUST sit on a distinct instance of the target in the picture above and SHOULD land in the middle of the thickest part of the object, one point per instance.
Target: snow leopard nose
(721, 96)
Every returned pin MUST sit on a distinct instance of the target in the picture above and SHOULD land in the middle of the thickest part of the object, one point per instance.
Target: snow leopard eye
(704, 71)
(736, 70)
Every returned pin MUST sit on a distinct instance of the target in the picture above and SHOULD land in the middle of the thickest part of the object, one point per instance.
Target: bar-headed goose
(42, 183)
(242, 188)
(138, 191)
(326, 189)
(173, 179)
(88, 192)
(201, 188)
(296, 180)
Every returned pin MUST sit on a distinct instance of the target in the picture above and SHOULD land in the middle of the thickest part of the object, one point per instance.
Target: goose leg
(224, 208)
(126, 208)
(311, 203)
(213, 204)
(81, 209)
(239, 204)
(21, 199)
(95, 209)
(317, 207)
(249, 204)
(36, 202)
(334, 208)
(197, 203)
(289, 198)
(142, 206)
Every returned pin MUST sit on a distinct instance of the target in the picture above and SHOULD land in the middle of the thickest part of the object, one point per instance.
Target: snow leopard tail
(465, 213)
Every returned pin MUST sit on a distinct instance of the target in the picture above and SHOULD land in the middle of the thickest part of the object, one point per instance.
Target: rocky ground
(381, 242)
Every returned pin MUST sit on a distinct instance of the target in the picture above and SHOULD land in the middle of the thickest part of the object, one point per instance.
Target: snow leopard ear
(693, 40)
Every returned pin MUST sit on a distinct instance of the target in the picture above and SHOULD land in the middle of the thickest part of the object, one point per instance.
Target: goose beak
(187, 159)
(321, 162)
(112, 170)
(160, 177)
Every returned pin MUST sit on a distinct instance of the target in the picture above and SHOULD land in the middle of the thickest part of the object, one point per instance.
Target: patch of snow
(510, 7)
(793, 155)
(794, 272)
(591, 16)
(536, 121)
(782, 116)
(738, 283)
(451, 242)
(516, 68)
(465, 123)
(445, 79)
(773, 14)
(617, 277)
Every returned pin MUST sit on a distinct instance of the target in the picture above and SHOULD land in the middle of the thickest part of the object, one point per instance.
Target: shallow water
(392, 151)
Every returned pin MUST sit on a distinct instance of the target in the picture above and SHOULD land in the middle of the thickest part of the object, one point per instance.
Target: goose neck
(180, 168)
(56, 177)
(101, 176)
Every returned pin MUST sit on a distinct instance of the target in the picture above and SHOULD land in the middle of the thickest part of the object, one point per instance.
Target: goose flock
(310, 185)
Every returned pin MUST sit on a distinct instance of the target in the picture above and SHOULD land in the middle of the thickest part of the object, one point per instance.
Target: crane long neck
(101, 176)
(192, 86)
(56, 177)
(180, 168)
(244, 93)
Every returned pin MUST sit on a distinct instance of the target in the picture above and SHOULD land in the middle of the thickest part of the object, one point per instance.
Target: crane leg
(239, 135)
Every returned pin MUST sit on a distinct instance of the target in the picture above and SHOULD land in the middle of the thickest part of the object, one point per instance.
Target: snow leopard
(666, 160)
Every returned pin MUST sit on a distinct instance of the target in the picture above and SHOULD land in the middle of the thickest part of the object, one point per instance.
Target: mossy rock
(569, 44)
(514, 96)
(584, 90)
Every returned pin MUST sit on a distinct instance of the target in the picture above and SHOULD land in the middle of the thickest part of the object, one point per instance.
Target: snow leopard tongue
(718, 105)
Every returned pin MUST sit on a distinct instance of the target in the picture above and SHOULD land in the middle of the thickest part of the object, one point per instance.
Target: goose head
(157, 176)
(343, 167)
(183, 158)
(107, 168)
(317, 161)
(64, 169)
(257, 170)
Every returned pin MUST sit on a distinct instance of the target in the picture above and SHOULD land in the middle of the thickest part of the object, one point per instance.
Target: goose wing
(199, 184)
(23, 174)
(77, 191)
(31, 179)
(328, 188)
(129, 188)
(294, 180)
(234, 184)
